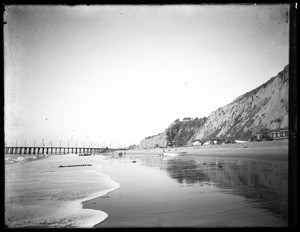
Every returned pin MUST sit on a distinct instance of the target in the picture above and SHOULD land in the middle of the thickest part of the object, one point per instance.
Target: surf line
(103, 215)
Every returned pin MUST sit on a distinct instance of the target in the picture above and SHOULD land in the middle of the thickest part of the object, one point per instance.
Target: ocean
(13, 158)
(41, 194)
(139, 190)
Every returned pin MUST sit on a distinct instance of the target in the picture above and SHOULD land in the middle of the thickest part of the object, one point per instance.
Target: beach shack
(274, 135)
(279, 134)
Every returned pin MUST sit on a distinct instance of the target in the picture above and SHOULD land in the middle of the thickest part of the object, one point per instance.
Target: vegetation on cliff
(180, 132)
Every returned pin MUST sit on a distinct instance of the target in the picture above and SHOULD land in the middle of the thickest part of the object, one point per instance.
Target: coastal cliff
(263, 108)
(178, 133)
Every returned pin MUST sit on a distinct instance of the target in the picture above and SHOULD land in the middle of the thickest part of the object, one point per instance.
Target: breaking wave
(9, 159)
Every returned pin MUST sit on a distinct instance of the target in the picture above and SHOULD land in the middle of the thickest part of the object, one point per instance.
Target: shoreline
(98, 215)
(136, 192)
(78, 205)
(53, 197)
(87, 217)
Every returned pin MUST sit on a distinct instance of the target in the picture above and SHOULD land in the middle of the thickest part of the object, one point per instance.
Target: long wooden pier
(51, 150)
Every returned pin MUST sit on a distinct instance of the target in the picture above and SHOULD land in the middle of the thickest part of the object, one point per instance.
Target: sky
(111, 75)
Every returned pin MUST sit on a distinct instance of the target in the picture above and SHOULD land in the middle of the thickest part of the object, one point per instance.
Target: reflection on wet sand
(262, 182)
(186, 171)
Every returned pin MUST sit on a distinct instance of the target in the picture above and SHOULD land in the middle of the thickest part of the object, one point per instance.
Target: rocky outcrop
(265, 107)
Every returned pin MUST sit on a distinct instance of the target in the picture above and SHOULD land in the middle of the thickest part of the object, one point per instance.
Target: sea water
(40, 194)
(14, 158)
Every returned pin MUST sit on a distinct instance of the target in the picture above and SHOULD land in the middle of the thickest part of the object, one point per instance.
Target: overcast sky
(112, 75)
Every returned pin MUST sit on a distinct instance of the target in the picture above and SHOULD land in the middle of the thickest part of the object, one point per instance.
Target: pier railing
(52, 150)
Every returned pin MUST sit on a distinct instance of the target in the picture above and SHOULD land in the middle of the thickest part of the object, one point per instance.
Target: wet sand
(215, 186)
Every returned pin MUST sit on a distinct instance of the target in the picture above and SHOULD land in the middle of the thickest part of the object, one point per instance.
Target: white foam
(64, 207)
(20, 159)
(71, 213)
(99, 216)
(87, 218)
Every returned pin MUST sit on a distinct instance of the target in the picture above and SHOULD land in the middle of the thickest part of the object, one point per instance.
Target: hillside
(159, 140)
(178, 133)
(265, 107)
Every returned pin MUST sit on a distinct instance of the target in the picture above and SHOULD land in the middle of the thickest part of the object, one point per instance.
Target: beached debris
(104, 196)
(74, 165)
(85, 154)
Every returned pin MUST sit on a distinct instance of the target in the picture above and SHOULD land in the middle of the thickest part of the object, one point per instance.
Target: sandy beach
(143, 189)
(250, 149)
(246, 191)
